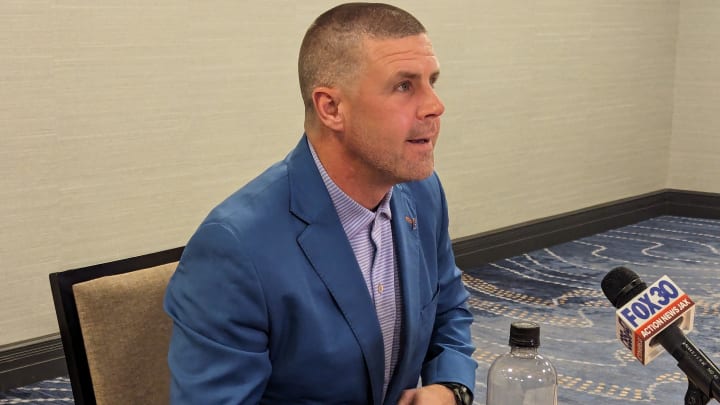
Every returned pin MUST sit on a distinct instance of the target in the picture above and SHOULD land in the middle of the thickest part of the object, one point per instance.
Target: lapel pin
(412, 222)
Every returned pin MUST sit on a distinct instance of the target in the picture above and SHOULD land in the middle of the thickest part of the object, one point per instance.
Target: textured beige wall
(124, 122)
(553, 106)
(695, 150)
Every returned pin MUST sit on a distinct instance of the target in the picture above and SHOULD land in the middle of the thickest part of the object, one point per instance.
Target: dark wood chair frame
(61, 285)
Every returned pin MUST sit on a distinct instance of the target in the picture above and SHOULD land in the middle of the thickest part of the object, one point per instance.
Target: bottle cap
(525, 334)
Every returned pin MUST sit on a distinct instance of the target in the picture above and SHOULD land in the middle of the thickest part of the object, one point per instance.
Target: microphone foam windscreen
(620, 285)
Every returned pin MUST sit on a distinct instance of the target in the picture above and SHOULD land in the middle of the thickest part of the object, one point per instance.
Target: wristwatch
(462, 394)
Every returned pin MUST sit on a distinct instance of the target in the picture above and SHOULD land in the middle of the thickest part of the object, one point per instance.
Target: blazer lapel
(407, 245)
(328, 250)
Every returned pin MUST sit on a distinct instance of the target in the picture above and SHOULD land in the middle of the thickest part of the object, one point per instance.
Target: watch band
(462, 394)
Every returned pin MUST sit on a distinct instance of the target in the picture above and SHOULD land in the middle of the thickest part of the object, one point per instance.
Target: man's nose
(431, 106)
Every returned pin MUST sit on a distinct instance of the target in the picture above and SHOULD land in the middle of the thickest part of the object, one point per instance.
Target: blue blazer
(269, 305)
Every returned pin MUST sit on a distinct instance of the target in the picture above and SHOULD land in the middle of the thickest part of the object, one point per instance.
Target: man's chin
(419, 174)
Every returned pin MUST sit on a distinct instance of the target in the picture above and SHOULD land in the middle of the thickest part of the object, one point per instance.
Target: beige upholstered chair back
(126, 335)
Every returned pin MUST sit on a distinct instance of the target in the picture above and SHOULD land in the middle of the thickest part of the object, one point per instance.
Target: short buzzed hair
(331, 49)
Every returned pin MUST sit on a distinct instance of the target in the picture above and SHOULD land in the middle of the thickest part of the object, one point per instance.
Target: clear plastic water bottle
(522, 376)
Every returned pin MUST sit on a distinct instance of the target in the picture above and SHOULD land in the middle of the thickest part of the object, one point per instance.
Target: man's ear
(326, 101)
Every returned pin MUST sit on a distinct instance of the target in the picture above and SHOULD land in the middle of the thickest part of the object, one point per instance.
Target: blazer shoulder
(264, 197)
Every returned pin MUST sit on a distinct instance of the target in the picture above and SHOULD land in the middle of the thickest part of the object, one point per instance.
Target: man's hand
(434, 394)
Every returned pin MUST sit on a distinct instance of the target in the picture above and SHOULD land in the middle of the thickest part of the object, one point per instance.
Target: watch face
(462, 395)
(460, 392)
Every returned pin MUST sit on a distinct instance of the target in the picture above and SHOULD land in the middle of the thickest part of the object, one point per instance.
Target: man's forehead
(390, 49)
(419, 44)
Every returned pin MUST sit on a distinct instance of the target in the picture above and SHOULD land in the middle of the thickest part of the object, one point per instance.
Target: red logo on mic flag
(650, 312)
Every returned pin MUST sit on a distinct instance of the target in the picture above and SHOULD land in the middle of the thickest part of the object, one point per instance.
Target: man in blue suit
(330, 278)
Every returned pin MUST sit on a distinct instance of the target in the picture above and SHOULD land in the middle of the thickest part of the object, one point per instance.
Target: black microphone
(627, 292)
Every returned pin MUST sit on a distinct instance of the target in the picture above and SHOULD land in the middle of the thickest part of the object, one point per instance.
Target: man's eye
(404, 86)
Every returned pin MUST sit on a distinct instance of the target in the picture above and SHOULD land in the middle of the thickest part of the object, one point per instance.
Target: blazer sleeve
(219, 345)
(449, 356)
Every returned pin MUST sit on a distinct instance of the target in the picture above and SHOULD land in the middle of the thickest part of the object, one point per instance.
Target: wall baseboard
(38, 359)
(487, 247)
(31, 361)
(693, 204)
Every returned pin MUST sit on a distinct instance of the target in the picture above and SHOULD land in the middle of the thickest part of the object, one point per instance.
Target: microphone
(661, 313)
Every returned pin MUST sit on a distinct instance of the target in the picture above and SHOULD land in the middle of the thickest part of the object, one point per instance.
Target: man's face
(391, 111)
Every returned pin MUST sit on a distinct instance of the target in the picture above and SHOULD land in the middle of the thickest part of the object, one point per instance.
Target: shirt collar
(353, 216)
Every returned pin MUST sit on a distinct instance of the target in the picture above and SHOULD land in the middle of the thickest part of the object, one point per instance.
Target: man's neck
(353, 183)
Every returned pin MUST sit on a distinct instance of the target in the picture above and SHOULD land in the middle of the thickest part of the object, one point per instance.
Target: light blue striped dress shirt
(369, 233)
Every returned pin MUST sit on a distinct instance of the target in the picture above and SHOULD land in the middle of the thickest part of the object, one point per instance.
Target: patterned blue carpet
(49, 392)
(559, 287)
